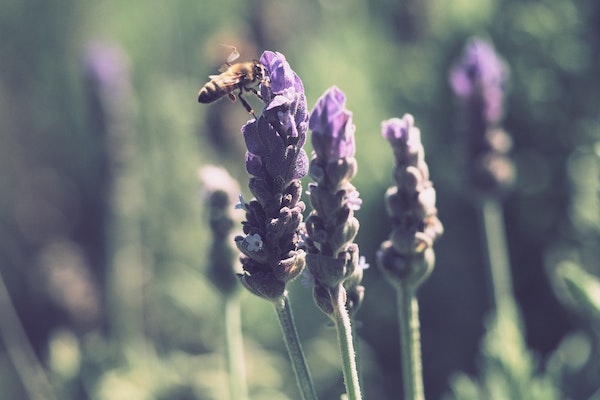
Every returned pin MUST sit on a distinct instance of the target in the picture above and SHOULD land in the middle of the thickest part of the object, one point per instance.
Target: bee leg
(253, 90)
(246, 105)
(231, 97)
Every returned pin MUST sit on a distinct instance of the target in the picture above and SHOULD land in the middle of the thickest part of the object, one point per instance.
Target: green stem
(497, 252)
(27, 366)
(344, 332)
(292, 342)
(235, 349)
(410, 342)
(356, 345)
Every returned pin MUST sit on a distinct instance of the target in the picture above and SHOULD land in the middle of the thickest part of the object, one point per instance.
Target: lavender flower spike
(408, 257)
(275, 159)
(479, 82)
(331, 226)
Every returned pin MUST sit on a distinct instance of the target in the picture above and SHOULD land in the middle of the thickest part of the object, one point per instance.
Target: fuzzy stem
(497, 252)
(292, 342)
(235, 349)
(344, 332)
(355, 343)
(410, 342)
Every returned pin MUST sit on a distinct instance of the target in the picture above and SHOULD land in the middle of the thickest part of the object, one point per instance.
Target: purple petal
(332, 128)
(483, 73)
(254, 165)
(301, 167)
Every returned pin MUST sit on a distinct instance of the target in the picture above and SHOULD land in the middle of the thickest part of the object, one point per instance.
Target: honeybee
(243, 76)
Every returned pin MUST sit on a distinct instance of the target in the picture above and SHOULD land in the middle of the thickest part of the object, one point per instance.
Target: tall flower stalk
(219, 190)
(271, 253)
(113, 111)
(479, 82)
(332, 257)
(407, 258)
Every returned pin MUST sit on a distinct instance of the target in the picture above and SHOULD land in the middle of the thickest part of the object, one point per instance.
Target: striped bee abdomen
(213, 91)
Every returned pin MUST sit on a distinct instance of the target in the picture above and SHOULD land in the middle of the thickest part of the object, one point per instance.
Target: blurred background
(103, 231)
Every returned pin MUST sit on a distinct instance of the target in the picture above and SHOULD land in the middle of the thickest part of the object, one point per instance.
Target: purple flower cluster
(275, 159)
(481, 76)
(408, 255)
(479, 83)
(331, 227)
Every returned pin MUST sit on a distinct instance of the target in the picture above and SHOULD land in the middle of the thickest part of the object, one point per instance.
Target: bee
(243, 76)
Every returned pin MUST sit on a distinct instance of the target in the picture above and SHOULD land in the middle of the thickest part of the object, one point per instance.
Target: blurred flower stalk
(479, 81)
(219, 192)
(331, 227)
(30, 371)
(113, 109)
(407, 258)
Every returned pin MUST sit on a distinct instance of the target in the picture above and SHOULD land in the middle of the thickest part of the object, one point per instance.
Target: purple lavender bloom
(405, 140)
(481, 75)
(331, 126)
(276, 161)
(408, 254)
(284, 98)
(275, 140)
(331, 227)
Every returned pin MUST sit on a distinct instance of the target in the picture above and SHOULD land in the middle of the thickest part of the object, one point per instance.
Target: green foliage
(508, 368)
(581, 289)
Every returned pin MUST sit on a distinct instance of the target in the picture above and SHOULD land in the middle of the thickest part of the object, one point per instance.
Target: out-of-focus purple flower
(481, 75)
(331, 126)
(271, 242)
(107, 72)
(219, 191)
(106, 63)
(408, 254)
(479, 80)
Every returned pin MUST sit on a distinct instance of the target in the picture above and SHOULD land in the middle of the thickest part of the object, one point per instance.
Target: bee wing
(233, 56)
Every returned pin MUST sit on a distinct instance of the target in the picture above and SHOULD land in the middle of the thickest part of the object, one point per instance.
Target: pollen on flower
(254, 242)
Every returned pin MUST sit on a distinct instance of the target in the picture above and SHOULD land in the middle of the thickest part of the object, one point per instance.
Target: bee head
(260, 72)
